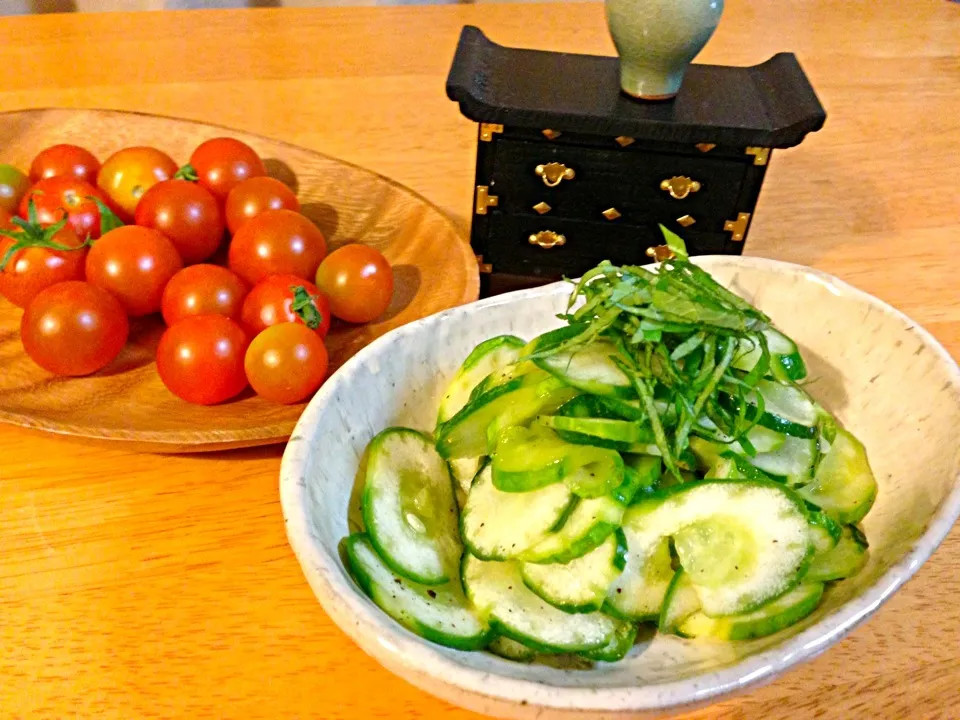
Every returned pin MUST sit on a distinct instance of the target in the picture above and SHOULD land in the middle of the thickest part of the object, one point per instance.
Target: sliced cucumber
(441, 614)
(588, 524)
(589, 367)
(735, 562)
(622, 435)
(623, 640)
(763, 439)
(409, 507)
(581, 584)
(786, 362)
(787, 401)
(489, 356)
(642, 475)
(767, 619)
(680, 602)
(464, 470)
(497, 591)
(794, 460)
(825, 531)
(512, 650)
(497, 525)
(844, 485)
(844, 560)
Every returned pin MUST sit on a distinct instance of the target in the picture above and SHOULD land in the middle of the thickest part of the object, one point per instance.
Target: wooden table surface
(139, 586)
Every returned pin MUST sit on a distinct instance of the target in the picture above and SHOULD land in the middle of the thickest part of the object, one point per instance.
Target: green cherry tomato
(13, 185)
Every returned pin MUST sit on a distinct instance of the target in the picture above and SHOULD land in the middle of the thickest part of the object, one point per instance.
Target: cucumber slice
(623, 640)
(580, 585)
(496, 525)
(464, 470)
(513, 403)
(588, 368)
(763, 439)
(497, 591)
(786, 363)
(771, 617)
(622, 435)
(409, 508)
(489, 356)
(825, 533)
(794, 461)
(512, 650)
(725, 468)
(680, 602)
(844, 485)
(844, 560)
(742, 542)
(642, 475)
(439, 614)
(788, 402)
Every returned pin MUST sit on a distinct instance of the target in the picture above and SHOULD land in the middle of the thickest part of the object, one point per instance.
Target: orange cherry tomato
(73, 328)
(134, 264)
(187, 214)
(65, 161)
(286, 363)
(358, 282)
(253, 196)
(203, 290)
(277, 242)
(200, 359)
(129, 173)
(275, 299)
(223, 163)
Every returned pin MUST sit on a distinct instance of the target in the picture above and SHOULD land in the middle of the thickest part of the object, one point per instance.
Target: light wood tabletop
(143, 586)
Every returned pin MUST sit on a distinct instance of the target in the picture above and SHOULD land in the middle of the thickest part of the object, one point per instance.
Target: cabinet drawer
(509, 250)
(630, 182)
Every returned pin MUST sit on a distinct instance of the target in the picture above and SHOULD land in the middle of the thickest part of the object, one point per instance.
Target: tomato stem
(305, 306)
(32, 234)
(108, 219)
(187, 172)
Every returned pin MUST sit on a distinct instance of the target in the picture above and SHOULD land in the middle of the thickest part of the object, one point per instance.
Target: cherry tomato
(129, 173)
(200, 359)
(35, 267)
(286, 363)
(253, 196)
(273, 301)
(203, 290)
(134, 264)
(73, 328)
(58, 195)
(277, 242)
(65, 161)
(13, 186)
(187, 214)
(223, 163)
(358, 282)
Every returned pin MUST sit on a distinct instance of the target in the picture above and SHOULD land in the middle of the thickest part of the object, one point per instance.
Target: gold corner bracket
(761, 155)
(485, 268)
(487, 131)
(485, 200)
(737, 228)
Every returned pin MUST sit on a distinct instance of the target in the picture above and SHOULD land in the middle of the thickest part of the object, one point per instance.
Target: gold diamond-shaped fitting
(542, 208)
(686, 220)
(611, 213)
(551, 134)
(705, 147)
(623, 140)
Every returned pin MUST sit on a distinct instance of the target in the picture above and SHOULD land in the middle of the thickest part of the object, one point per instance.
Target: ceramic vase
(657, 40)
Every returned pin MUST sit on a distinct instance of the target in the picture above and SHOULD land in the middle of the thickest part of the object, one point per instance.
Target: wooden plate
(434, 269)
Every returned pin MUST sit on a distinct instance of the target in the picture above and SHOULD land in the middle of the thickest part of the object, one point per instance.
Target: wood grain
(133, 586)
(434, 269)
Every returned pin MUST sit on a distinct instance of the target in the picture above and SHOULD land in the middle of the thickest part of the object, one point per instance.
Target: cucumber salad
(654, 460)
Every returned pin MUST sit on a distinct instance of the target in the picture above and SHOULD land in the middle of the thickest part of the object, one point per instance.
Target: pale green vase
(657, 40)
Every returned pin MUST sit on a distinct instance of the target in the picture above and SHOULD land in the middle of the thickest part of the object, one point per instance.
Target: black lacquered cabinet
(570, 172)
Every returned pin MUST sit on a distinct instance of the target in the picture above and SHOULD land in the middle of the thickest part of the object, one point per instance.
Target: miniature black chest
(571, 172)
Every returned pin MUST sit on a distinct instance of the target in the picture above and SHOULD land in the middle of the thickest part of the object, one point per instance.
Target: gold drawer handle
(547, 239)
(553, 173)
(679, 187)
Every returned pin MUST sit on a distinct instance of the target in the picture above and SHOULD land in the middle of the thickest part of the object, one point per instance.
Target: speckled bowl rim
(333, 588)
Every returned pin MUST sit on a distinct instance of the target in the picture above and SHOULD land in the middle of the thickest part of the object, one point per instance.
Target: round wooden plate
(434, 269)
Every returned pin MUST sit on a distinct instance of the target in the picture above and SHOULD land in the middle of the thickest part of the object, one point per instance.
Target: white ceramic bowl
(885, 377)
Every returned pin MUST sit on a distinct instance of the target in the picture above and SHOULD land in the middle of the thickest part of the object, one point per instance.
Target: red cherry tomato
(274, 301)
(65, 161)
(253, 196)
(223, 163)
(134, 264)
(203, 290)
(73, 328)
(13, 186)
(277, 242)
(129, 173)
(358, 282)
(34, 268)
(200, 359)
(57, 197)
(187, 214)
(286, 363)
